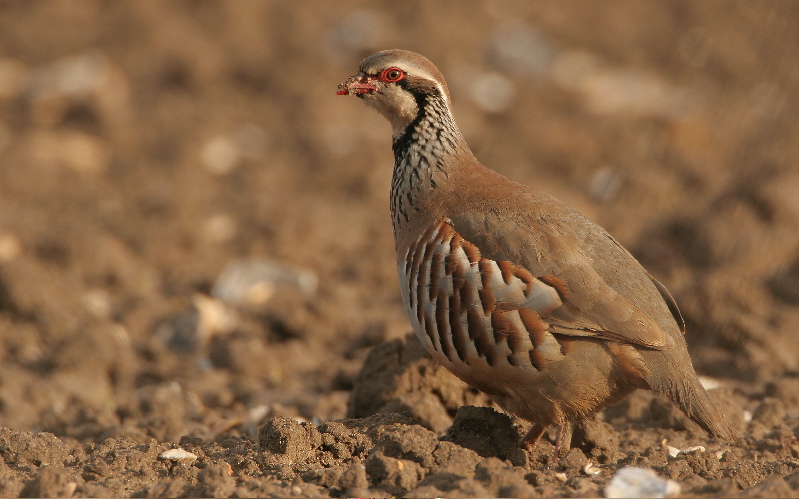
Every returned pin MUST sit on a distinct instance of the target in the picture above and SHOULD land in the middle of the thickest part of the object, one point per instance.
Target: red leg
(530, 438)
(563, 441)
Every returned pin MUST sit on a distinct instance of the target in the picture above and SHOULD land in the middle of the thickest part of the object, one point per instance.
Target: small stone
(691, 450)
(177, 454)
(590, 469)
(640, 482)
(674, 452)
(214, 317)
(253, 282)
(221, 155)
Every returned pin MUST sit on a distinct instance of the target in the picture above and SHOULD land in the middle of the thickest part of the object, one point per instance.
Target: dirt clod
(400, 377)
(30, 451)
(597, 439)
(771, 486)
(488, 433)
(50, 481)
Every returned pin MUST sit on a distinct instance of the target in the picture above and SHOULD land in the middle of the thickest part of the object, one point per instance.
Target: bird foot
(562, 440)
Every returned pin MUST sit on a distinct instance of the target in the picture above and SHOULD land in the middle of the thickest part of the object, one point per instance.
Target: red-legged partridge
(514, 292)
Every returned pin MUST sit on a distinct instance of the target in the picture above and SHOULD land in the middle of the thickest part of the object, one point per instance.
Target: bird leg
(563, 440)
(532, 436)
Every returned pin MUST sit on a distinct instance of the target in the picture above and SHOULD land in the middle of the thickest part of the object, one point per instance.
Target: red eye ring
(392, 75)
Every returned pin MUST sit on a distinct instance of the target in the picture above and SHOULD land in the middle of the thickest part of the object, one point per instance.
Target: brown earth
(147, 145)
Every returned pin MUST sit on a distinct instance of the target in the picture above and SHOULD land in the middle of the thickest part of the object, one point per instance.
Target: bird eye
(392, 75)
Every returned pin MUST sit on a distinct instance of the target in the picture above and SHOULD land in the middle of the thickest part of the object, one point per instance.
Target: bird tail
(683, 388)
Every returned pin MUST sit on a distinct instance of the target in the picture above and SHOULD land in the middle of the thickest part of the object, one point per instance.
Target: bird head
(398, 84)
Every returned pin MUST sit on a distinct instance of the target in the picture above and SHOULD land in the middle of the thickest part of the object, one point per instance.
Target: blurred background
(194, 228)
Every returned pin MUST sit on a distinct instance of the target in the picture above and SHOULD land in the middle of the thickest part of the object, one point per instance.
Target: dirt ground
(196, 253)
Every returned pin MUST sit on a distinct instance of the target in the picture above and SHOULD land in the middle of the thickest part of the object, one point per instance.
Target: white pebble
(176, 455)
(248, 282)
(590, 469)
(221, 155)
(214, 317)
(673, 451)
(640, 482)
(691, 450)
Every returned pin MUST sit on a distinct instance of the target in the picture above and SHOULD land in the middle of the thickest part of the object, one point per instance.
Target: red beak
(357, 85)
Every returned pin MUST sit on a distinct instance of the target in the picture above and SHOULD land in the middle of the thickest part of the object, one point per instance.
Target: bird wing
(604, 291)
